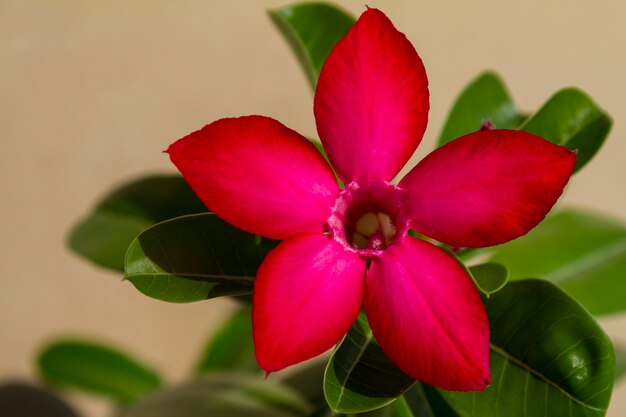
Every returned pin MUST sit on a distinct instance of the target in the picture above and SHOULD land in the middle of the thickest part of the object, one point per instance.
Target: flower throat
(373, 231)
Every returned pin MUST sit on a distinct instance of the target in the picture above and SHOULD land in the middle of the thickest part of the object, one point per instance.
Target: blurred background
(91, 92)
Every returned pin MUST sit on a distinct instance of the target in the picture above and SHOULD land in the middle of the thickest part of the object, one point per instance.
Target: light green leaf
(489, 277)
(224, 395)
(485, 98)
(312, 29)
(582, 252)
(193, 258)
(231, 347)
(96, 368)
(104, 235)
(359, 377)
(571, 119)
(549, 357)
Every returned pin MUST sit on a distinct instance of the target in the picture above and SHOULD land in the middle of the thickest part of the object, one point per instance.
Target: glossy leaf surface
(193, 258)
(359, 377)
(582, 252)
(489, 277)
(571, 119)
(97, 369)
(484, 98)
(312, 29)
(105, 234)
(549, 357)
(231, 347)
(223, 395)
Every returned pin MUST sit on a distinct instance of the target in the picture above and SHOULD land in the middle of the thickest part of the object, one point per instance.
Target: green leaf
(359, 377)
(549, 357)
(581, 252)
(309, 381)
(489, 277)
(224, 395)
(319, 147)
(422, 400)
(104, 235)
(571, 119)
(620, 358)
(97, 369)
(231, 347)
(193, 258)
(312, 29)
(485, 98)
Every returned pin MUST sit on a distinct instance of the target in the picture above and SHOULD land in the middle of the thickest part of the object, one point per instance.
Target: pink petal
(428, 317)
(258, 175)
(371, 103)
(307, 294)
(487, 187)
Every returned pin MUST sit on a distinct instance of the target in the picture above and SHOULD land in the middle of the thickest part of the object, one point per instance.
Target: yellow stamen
(387, 227)
(368, 224)
(359, 240)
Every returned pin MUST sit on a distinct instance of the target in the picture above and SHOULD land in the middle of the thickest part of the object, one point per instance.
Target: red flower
(344, 248)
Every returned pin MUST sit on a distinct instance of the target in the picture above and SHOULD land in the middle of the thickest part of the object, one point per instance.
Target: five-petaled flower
(349, 247)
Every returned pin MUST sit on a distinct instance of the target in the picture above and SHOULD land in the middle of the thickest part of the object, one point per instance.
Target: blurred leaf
(620, 357)
(571, 119)
(489, 277)
(96, 368)
(19, 399)
(549, 357)
(422, 400)
(312, 29)
(309, 381)
(224, 395)
(581, 252)
(231, 347)
(485, 98)
(104, 235)
(193, 258)
(359, 377)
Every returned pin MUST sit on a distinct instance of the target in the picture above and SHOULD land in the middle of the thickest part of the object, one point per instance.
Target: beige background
(92, 91)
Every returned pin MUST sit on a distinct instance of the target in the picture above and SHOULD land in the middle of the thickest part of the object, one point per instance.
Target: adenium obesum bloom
(348, 248)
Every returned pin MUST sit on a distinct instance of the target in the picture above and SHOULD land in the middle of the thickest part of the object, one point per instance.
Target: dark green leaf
(490, 277)
(549, 357)
(105, 234)
(485, 98)
(231, 347)
(193, 258)
(422, 400)
(581, 252)
(571, 119)
(359, 377)
(312, 29)
(97, 369)
(223, 395)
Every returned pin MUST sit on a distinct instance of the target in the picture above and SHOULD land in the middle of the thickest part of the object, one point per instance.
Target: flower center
(367, 218)
(373, 231)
